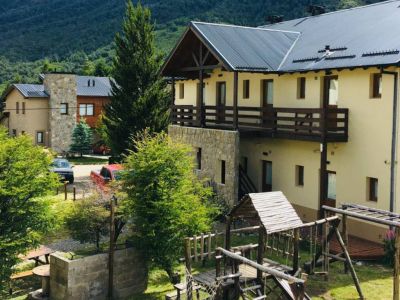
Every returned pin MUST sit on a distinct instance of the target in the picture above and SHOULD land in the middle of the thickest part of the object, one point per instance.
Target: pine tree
(82, 138)
(140, 98)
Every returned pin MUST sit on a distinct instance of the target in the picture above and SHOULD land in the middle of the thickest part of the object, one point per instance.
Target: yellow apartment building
(307, 106)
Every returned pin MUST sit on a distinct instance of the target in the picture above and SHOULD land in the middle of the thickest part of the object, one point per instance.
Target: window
(14, 132)
(17, 108)
(301, 88)
(198, 158)
(39, 137)
(266, 176)
(243, 163)
(23, 108)
(300, 175)
(223, 165)
(246, 89)
(372, 184)
(86, 109)
(331, 193)
(376, 85)
(181, 90)
(64, 108)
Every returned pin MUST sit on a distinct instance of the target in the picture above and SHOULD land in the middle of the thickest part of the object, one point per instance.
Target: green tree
(88, 68)
(82, 138)
(88, 221)
(24, 214)
(101, 68)
(139, 98)
(343, 4)
(165, 200)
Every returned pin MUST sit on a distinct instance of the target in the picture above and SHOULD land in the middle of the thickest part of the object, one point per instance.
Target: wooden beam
(196, 61)
(235, 100)
(349, 263)
(188, 258)
(198, 68)
(205, 57)
(173, 90)
(260, 255)
(296, 250)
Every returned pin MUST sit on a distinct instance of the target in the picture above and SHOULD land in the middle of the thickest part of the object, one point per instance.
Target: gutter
(394, 140)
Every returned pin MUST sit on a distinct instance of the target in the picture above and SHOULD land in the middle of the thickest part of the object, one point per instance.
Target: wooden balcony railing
(312, 124)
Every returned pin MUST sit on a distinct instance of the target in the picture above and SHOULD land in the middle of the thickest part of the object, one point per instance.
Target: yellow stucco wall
(366, 154)
(35, 117)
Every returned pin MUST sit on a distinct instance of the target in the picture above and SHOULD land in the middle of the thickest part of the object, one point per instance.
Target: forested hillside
(63, 31)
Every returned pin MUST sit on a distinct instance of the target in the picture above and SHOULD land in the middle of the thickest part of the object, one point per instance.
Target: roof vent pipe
(316, 10)
(88, 82)
(93, 83)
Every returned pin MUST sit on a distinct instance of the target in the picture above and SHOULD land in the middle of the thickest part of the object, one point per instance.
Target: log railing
(291, 123)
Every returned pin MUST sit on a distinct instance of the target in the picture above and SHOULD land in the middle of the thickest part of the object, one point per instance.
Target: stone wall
(62, 89)
(87, 278)
(216, 145)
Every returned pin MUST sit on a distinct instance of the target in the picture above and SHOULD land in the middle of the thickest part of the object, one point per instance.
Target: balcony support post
(200, 104)
(235, 100)
(323, 181)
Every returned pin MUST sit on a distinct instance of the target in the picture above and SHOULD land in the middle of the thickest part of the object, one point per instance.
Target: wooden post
(235, 100)
(350, 264)
(173, 90)
(74, 193)
(345, 239)
(323, 181)
(260, 255)
(396, 273)
(296, 250)
(65, 190)
(111, 251)
(236, 280)
(188, 258)
(195, 248)
(227, 240)
(209, 246)
(202, 248)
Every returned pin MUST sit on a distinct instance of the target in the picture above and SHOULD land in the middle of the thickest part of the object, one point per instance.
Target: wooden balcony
(308, 124)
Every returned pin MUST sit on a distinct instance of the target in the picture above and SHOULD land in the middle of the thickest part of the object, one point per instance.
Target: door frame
(220, 107)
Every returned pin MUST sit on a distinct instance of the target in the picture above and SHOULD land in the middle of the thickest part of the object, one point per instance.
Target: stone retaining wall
(216, 145)
(87, 278)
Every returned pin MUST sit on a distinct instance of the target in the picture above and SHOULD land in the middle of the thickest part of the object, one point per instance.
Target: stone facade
(87, 278)
(216, 145)
(62, 89)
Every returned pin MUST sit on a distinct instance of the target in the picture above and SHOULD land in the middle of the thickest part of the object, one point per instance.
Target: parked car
(63, 168)
(101, 148)
(106, 174)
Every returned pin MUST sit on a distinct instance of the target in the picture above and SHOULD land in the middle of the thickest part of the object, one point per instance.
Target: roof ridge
(241, 26)
(333, 12)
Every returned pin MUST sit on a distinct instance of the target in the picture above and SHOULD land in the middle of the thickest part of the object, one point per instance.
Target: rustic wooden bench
(180, 288)
(19, 275)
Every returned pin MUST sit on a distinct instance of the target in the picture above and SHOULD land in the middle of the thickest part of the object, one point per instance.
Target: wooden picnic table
(44, 273)
(36, 254)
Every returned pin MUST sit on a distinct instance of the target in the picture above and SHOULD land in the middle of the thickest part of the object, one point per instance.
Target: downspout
(393, 155)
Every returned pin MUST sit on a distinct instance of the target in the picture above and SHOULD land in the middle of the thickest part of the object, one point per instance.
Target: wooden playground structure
(250, 271)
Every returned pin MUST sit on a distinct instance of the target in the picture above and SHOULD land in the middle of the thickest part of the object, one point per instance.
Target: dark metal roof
(247, 48)
(362, 36)
(101, 88)
(359, 37)
(31, 90)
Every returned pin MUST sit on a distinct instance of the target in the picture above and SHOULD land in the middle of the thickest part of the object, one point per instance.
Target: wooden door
(266, 185)
(221, 101)
(267, 102)
(331, 93)
(330, 197)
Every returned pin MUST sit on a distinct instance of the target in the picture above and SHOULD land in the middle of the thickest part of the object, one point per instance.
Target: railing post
(260, 255)
(296, 250)
(188, 258)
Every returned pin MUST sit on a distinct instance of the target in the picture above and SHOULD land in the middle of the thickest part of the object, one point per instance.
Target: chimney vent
(88, 82)
(93, 83)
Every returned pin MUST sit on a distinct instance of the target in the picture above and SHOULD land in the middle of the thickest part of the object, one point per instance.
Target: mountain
(34, 29)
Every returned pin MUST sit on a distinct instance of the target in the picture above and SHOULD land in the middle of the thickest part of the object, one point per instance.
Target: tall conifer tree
(140, 98)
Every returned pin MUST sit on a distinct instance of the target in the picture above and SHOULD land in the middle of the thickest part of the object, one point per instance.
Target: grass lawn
(87, 160)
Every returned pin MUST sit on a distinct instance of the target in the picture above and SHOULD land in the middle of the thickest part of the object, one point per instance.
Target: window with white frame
(86, 109)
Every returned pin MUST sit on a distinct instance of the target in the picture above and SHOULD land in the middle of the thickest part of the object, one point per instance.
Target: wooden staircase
(246, 185)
